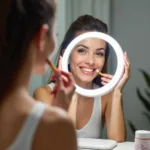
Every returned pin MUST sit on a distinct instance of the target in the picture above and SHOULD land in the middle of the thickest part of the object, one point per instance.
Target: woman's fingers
(64, 80)
(109, 76)
(60, 63)
(106, 78)
(104, 83)
(127, 58)
(127, 66)
(67, 79)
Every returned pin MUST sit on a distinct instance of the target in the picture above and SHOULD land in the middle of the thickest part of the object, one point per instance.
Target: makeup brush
(51, 65)
(99, 72)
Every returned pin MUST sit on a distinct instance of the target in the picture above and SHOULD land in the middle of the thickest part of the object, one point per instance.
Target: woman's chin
(87, 79)
(84, 83)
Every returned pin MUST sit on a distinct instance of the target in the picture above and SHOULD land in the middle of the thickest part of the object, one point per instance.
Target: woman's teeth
(87, 70)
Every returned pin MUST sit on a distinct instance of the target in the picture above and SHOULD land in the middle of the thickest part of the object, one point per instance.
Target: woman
(26, 40)
(90, 114)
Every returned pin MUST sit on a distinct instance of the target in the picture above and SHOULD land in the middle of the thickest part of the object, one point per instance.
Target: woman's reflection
(90, 114)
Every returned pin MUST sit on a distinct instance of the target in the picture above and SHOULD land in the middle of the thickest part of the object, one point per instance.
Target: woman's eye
(81, 51)
(100, 54)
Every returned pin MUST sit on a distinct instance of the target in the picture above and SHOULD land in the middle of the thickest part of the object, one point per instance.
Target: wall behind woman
(131, 27)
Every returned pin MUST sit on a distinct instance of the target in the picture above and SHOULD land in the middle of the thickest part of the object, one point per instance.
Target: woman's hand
(60, 63)
(63, 90)
(106, 78)
(126, 75)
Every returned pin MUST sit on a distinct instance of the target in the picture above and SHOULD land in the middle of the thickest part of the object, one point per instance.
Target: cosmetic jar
(142, 140)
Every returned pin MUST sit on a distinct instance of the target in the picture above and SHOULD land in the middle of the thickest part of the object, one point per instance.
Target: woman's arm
(114, 116)
(55, 132)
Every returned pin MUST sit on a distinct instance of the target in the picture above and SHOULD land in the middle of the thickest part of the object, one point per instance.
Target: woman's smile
(87, 70)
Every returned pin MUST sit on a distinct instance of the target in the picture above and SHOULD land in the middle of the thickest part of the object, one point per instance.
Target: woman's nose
(90, 60)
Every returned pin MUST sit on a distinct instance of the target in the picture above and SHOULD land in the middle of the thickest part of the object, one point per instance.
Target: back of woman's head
(85, 23)
(20, 20)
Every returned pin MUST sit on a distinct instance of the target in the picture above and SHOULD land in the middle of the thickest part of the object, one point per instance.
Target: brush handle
(100, 74)
(51, 65)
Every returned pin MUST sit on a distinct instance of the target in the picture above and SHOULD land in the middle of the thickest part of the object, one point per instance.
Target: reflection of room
(128, 23)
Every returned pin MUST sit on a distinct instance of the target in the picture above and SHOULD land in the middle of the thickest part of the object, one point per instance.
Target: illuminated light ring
(120, 63)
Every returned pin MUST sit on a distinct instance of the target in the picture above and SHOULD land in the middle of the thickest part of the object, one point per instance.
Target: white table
(121, 146)
(125, 146)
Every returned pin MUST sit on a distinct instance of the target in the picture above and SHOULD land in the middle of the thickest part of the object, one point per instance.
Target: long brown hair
(19, 22)
(85, 23)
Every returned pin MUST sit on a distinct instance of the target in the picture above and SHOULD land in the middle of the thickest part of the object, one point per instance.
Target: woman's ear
(40, 38)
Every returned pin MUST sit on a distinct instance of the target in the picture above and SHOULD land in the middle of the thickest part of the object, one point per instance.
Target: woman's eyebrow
(81, 46)
(101, 49)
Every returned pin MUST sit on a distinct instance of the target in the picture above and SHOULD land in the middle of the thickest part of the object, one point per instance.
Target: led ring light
(120, 63)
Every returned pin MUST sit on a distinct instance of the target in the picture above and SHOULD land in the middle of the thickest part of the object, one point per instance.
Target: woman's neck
(85, 85)
(20, 86)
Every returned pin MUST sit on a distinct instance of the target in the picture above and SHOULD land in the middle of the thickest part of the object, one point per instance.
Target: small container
(142, 140)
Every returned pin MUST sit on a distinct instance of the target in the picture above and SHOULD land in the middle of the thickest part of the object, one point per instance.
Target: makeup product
(51, 65)
(142, 140)
(99, 72)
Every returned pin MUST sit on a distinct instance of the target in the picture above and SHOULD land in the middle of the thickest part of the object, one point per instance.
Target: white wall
(130, 20)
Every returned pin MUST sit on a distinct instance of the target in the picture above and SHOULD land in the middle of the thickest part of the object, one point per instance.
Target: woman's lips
(87, 71)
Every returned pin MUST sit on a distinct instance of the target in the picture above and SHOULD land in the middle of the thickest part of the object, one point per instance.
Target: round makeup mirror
(119, 69)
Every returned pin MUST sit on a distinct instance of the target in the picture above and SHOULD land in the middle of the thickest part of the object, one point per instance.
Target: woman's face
(86, 57)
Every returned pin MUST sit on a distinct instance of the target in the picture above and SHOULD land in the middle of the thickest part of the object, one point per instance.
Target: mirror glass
(87, 56)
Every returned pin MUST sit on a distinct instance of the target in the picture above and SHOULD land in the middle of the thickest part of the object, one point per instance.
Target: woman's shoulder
(54, 122)
(43, 94)
(44, 89)
(54, 114)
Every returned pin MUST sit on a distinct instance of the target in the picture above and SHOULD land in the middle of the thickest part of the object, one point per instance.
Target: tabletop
(124, 146)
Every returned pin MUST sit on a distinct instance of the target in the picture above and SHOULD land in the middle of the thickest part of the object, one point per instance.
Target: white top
(26, 135)
(93, 128)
